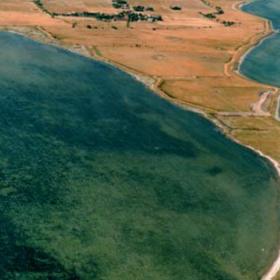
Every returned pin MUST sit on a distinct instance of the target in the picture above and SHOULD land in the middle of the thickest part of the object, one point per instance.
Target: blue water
(269, 9)
(263, 62)
(102, 179)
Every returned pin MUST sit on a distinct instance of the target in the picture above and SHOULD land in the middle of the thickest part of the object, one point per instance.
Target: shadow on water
(22, 262)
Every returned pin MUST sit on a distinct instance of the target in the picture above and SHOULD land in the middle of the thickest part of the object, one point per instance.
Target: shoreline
(153, 83)
(277, 112)
(274, 269)
(233, 65)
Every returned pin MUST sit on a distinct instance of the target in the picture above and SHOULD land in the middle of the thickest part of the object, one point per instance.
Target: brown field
(191, 58)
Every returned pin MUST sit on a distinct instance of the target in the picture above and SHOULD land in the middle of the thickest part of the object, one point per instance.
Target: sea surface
(263, 62)
(100, 179)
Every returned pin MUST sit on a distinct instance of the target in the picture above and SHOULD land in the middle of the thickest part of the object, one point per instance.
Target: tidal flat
(102, 179)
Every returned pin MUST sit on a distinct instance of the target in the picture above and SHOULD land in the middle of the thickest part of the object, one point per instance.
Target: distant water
(263, 62)
(102, 179)
(269, 9)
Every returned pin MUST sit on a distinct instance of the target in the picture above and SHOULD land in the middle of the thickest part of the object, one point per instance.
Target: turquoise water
(102, 179)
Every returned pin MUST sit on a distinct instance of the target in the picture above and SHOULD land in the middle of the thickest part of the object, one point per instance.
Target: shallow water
(102, 179)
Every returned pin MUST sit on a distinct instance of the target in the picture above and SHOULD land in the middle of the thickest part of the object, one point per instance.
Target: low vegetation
(40, 5)
(175, 7)
(125, 15)
(214, 15)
